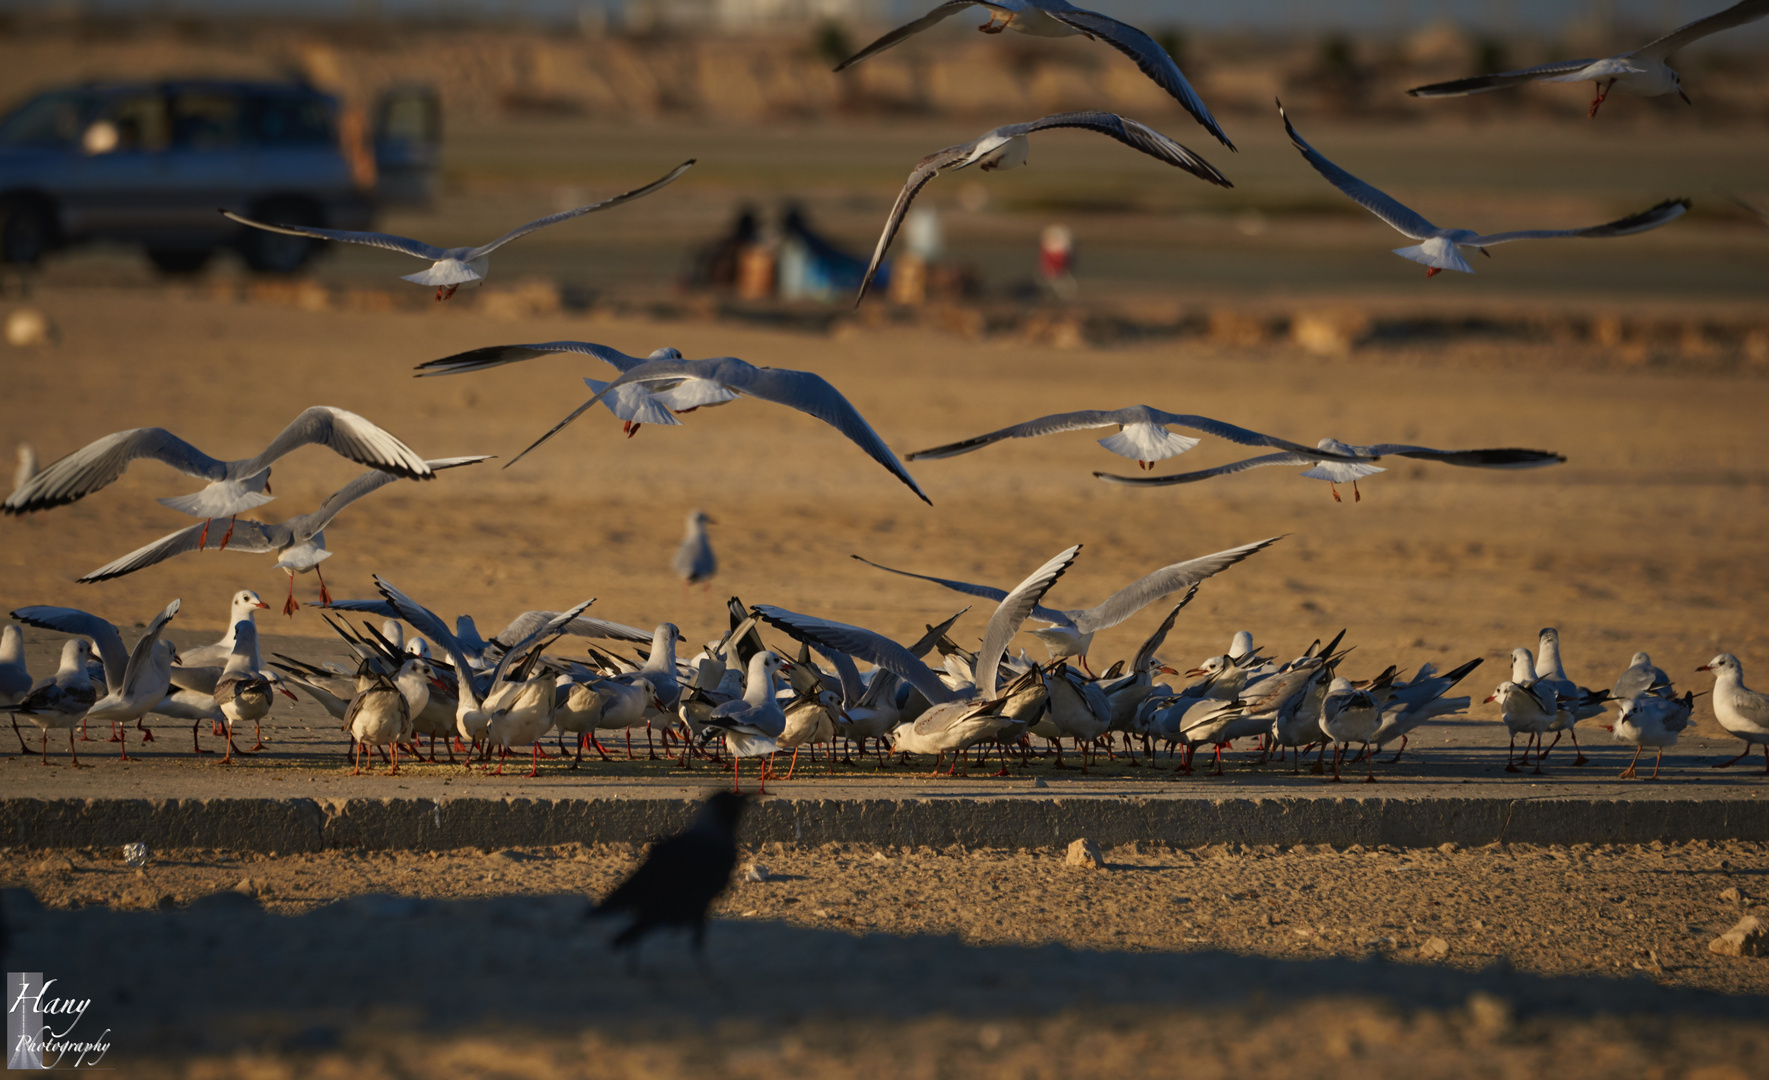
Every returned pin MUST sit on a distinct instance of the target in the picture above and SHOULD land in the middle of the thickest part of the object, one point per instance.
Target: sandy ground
(851, 961)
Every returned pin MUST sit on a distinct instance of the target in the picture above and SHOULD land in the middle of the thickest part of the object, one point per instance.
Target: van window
(51, 120)
(140, 120)
(291, 120)
(204, 119)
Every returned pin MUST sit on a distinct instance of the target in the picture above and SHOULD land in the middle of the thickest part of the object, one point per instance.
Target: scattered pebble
(55, 862)
(1748, 937)
(28, 328)
(1085, 852)
(1435, 948)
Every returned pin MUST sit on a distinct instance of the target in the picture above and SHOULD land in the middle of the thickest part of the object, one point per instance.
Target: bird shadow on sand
(223, 974)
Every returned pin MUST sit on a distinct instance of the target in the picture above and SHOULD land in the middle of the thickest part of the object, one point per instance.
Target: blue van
(151, 163)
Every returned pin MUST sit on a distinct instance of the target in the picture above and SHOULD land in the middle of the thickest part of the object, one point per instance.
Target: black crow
(680, 878)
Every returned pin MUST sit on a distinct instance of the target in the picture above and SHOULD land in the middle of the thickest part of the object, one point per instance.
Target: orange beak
(1705, 667)
(260, 604)
(1491, 699)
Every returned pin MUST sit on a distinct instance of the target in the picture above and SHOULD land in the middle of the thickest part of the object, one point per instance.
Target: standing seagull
(234, 486)
(454, 267)
(1006, 146)
(1742, 711)
(679, 879)
(1059, 18)
(805, 391)
(1643, 71)
(1342, 463)
(299, 542)
(135, 680)
(1438, 252)
(694, 559)
(242, 693)
(62, 700)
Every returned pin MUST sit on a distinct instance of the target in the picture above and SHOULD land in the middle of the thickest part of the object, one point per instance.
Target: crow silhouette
(680, 878)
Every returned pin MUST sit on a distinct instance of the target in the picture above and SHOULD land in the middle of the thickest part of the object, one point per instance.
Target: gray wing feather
(385, 241)
(1139, 594)
(82, 624)
(307, 526)
(907, 30)
(99, 464)
(248, 536)
(1154, 640)
(1737, 15)
(497, 355)
(1494, 458)
(1012, 612)
(1662, 214)
(1097, 418)
(348, 435)
(875, 649)
(1205, 474)
(1137, 136)
(1480, 84)
(987, 592)
(925, 170)
(1149, 56)
(1402, 218)
(524, 624)
(144, 648)
(567, 215)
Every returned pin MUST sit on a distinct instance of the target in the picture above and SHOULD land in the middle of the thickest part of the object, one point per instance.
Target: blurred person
(1056, 259)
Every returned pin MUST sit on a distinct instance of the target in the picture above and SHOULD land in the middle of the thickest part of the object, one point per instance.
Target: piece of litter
(755, 872)
(135, 855)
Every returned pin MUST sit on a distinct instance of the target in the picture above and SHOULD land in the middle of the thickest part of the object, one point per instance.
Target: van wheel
(179, 260)
(27, 232)
(280, 253)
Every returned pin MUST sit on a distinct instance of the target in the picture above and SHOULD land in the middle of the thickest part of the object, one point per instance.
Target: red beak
(1492, 699)
(1705, 667)
(260, 604)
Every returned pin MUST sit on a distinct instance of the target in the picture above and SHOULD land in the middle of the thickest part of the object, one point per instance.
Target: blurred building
(745, 15)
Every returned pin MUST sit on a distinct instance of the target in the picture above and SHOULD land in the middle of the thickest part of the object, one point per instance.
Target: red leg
(1433, 271)
(1335, 489)
(535, 768)
(123, 737)
(203, 537)
(1628, 773)
(71, 754)
(229, 536)
(395, 770)
(147, 734)
(325, 597)
(195, 746)
(290, 606)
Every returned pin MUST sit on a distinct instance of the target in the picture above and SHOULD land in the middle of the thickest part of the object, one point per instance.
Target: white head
(1334, 446)
(1242, 643)
(73, 656)
(245, 604)
(665, 353)
(1504, 690)
(418, 647)
(1523, 666)
(697, 520)
(12, 644)
(1723, 665)
(394, 631)
(1640, 660)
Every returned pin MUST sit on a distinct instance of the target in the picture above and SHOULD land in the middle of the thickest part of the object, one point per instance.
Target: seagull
(1006, 146)
(62, 700)
(15, 678)
(1347, 464)
(298, 542)
(694, 559)
(242, 693)
(1655, 722)
(234, 486)
(753, 723)
(1640, 679)
(1576, 702)
(1350, 715)
(802, 390)
(242, 608)
(377, 715)
(1142, 435)
(1439, 248)
(1528, 708)
(1059, 18)
(636, 404)
(1742, 711)
(1412, 704)
(1071, 631)
(680, 878)
(135, 680)
(454, 267)
(1642, 71)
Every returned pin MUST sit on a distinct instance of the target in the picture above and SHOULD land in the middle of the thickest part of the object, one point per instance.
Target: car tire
(279, 253)
(27, 231)
(179, 260)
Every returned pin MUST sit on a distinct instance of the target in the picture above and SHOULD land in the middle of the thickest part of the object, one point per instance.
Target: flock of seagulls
(420, 675)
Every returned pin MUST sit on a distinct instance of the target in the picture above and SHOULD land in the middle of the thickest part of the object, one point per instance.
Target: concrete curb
(303, 824)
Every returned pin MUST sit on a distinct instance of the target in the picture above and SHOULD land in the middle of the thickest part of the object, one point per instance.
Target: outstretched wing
(497, 355)
(1402, 218)
(874, 648)
(925, 170)
(307, 526)
(1205, 474)
(1146, 590)
(1149, 56)
(907, 30)
(1150, 645)
(142, 654)
(82, 624)
(248, 535)
(566, 215)
(385, 241)
(987, 592)
(1662, 214)
(347, 435)
(1136, 136)
(525, 624)
(99, 464)
(1480, 84)
(1044, 425)
(1737, 15)
(1012, 612)
(1496, 458)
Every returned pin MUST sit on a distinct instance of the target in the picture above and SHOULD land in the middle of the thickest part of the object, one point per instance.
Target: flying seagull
(802, 390)
(1642, 71)
(1006, 146)
(1142, 434)
(1353, 463)
(453, 267)
(1438, 252)
(1059, 18)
